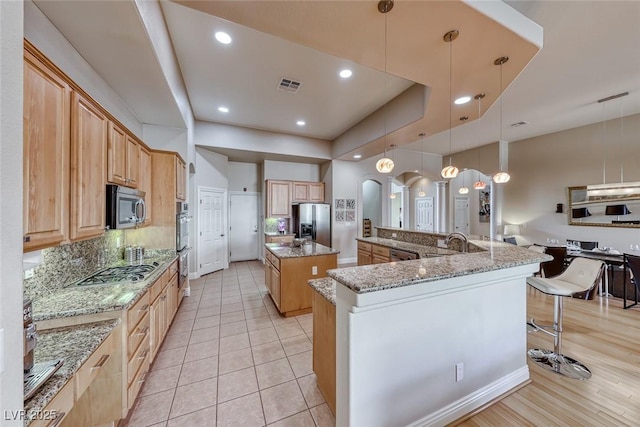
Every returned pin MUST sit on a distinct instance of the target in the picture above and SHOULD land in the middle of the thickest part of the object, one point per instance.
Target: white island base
(397, 349)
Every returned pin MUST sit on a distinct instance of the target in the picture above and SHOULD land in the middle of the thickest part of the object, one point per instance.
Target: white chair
(581, 275)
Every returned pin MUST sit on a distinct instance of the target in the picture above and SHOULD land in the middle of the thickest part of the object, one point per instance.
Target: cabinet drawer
(364, 246)
(136, 361)
(137, 382)
(137, 312)
(140, 333)
(275, 261)
(62, 404)
(173, 269)
(155, 289)
(91, 368)
(380, 250)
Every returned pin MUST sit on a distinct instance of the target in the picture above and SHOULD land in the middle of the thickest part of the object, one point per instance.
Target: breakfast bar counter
(427, 341)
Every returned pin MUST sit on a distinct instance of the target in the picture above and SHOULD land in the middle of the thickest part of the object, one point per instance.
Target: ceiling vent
(517, 124)
(289, 85)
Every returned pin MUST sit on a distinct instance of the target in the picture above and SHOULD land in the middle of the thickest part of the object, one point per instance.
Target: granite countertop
(325, 287)
(287, 250)
(496, 256)
(74, 300)
(422, 250)
(74, 345)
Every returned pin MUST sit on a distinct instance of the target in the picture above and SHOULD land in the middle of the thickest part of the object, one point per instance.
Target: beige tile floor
(229, 359)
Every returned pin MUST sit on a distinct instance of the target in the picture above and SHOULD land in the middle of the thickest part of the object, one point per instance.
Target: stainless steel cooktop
(38, 375)
(126, 273)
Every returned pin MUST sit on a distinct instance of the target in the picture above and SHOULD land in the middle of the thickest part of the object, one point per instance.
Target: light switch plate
(314, 270)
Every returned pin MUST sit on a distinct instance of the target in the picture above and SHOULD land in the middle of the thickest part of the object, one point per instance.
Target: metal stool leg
(554, 360)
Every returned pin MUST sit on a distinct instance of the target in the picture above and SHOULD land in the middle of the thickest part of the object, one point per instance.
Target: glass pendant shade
(384, 165)
(392, 195)
(463, 190)
(449, 172)
(501, 177)
(479, 185)
(421, 193)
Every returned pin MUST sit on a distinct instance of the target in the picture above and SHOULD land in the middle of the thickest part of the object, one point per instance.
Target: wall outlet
(314, 270)
(459, 372)
(28, 274)
(442, 244)
(394, 235)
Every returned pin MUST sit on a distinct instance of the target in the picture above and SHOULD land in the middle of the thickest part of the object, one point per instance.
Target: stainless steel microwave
(125, 207)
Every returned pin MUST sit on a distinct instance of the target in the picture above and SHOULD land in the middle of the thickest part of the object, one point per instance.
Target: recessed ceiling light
(357, 156)
(346, 73)
(223, 109)
(462, 100)
(301, 123)
(223, 37)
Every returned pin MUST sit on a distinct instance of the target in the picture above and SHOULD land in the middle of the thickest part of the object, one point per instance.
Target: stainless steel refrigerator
(312, 221)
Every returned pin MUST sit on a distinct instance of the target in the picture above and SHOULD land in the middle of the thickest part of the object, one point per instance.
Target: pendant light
(421, 193)
(502, 176)
(385, 164)
(479, 184)
(463, 189)
(604, 134)
(450, 171)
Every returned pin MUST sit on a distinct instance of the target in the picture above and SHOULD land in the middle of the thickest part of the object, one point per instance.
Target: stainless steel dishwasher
(400, 255)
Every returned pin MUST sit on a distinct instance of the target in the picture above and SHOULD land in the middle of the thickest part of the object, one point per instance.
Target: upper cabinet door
(46, 155)
(144, 181)
(300, 191)
(278, 199)
(133, 162)
(117, 155)
(180, 179)
(316, 191)
(88, 171)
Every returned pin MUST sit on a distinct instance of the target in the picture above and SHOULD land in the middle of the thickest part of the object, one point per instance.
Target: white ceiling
(591, 50)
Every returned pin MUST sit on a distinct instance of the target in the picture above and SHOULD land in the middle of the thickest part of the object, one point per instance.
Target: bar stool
(581, 275)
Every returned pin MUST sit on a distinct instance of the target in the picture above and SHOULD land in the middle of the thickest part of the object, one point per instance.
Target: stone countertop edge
(325, 287)
(275, 234)
(74, 345)
(377, 277)
(422, 250)
(285, 250)
(75, 300)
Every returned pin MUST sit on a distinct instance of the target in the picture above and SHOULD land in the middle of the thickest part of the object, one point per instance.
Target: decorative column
(442, 205)
(405, 208)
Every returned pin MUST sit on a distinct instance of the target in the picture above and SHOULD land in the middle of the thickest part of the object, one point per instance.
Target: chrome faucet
(461, 237)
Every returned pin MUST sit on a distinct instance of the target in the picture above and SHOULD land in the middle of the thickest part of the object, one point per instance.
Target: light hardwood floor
(601, 335)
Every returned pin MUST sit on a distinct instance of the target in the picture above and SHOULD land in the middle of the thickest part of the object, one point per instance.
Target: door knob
(222, 235)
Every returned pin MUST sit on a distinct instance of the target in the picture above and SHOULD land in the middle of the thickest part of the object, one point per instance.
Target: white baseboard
(193, 276)
(467, 404)
(347, 260)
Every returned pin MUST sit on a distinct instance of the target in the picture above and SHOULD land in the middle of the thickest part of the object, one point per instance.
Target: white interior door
(212, 241)
(424, 213)
(461, 215)
(243, 226)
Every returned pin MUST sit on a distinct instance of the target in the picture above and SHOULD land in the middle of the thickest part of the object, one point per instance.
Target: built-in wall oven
(182, 241)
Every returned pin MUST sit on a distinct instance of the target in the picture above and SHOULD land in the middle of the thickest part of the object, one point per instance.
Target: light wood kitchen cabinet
(372, 254)
(278, 199)
(97, 384)
(123, 157)
(172, 299)
(60, 405)
(308, 192)
(138, 347)
(158, 310)
(288, 280)
(46, 133)
(88, 168)
(144, 181)
(181, 170)
(280, 238)
(324, 348)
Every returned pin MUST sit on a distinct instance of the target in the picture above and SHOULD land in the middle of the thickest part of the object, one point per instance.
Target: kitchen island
(287, 270)
(428, 341)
